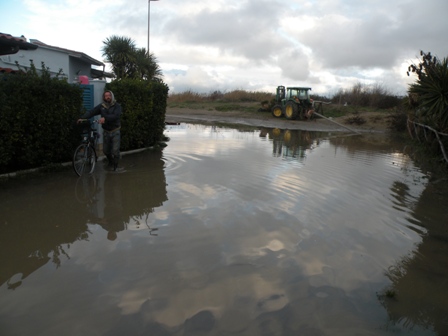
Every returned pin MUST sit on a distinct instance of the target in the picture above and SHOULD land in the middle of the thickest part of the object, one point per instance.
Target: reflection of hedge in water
(367, 143)
(417, 295)
(139, 194)
(30, 238)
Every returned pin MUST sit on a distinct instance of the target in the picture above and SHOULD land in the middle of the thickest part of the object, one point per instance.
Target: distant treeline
(374, 96)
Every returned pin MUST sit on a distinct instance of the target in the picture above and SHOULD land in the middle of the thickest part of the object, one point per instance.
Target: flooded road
(230, 232)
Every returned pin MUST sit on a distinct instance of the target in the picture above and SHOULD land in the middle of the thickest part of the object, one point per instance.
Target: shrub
(429, 94)
(144, 106)
(398, 120)
(374, 96)
(36, 119)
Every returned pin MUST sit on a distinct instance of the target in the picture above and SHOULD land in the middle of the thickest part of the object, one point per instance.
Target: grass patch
(236, 107)
(330, 111)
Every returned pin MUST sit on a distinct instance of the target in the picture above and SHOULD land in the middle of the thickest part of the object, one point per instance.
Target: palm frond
(431, 88)
(128, 61)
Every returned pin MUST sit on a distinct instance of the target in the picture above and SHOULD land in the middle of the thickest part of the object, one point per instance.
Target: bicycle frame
(84, 158)
(91, 135)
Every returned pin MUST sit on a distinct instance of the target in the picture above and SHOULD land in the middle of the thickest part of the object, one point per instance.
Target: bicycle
(84, 158)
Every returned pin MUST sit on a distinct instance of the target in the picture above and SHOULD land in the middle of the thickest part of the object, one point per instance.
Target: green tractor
(293, 103)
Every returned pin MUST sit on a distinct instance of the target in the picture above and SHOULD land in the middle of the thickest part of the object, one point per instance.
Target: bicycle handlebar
(84, 121)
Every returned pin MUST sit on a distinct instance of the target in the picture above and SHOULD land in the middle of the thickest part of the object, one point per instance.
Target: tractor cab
(302, 93)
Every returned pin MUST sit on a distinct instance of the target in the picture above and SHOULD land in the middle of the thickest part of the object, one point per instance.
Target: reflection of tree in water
(29, 237)
(417, 295)
(355, 143)
(144, 219)
(291, 144)
(56, 217)
(400, 191)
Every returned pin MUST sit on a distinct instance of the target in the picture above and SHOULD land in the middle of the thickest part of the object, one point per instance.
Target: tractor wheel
(277, 111)
(291, 110)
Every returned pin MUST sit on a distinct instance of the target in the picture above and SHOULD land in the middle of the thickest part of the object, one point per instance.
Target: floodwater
(230, 232)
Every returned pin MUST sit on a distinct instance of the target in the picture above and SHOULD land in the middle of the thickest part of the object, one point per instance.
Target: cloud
(294, 64)
(195, 79)
(247, 31)
(374, 39)
(251, 44)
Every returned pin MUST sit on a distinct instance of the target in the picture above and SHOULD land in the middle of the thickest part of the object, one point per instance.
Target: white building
(77, 67)
(70, 63)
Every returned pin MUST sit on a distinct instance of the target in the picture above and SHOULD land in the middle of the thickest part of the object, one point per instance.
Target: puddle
(230, 231)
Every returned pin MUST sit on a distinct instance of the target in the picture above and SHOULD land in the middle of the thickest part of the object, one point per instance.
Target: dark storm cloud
(379, 38)
(248, 31)
(352, 43)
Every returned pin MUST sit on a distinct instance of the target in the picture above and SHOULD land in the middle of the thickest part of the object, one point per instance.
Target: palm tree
(128, 61)
(146, 65)
(430, 91)
(119, 51)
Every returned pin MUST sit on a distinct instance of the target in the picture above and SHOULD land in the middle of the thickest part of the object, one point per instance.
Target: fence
(415, 129)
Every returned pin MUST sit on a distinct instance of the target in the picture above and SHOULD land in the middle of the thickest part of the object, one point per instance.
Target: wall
(77, 68)
(53, 59)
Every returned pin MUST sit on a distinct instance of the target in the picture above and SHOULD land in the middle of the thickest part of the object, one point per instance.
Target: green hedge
(144, 107)
(38, 114)
(36, 120)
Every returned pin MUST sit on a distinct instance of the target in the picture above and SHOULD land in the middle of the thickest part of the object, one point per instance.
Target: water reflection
(292, 144)
(351, 187)
(44, 216)
(261, 232)
(32, 231)
(417, 294)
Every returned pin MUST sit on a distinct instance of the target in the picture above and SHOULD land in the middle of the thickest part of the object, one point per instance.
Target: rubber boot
(110, 161)
(116, 168)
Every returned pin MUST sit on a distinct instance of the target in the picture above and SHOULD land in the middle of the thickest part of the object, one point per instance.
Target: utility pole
(149, 11)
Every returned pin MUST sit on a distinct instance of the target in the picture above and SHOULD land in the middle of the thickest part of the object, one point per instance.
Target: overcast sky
(256, 45)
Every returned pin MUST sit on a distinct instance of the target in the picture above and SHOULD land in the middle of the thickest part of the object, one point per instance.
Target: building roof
(95, 73)
(11, 45)
(72, 53)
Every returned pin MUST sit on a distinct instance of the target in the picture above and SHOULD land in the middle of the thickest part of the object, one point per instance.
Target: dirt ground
(375, 122)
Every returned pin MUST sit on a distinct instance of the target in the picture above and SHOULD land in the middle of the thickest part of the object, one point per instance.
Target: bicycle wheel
(84, 159)
(91, 159)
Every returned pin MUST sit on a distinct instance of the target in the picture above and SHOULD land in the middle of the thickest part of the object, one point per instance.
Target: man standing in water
(110, 112)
